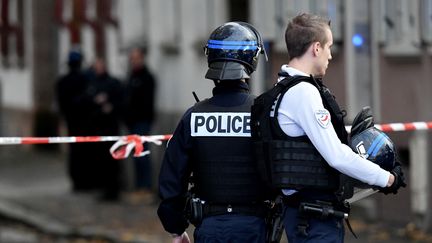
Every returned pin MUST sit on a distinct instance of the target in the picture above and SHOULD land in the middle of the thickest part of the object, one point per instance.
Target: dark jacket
(140, 99)
(73, 101)
(181, 154)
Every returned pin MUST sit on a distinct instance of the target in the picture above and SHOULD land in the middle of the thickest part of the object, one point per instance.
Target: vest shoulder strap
(263, 112)
(287, 83)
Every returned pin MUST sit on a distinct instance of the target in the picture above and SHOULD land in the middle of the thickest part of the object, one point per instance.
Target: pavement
(36, 198)
(37, 205)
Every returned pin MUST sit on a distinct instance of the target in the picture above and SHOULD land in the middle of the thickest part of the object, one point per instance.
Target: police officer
(212, 142)
(307, 142)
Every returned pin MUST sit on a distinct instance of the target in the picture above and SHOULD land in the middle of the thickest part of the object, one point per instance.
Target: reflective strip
(378, 147)
(373, 148)
(229, 47)
(236, 43)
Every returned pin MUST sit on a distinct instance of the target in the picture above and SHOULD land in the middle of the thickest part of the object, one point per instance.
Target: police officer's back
(212, 142)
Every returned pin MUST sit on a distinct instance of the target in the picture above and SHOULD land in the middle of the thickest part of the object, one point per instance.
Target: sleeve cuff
(383, 179)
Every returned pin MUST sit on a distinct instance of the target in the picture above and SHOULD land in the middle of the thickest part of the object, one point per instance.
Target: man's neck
(301, 65)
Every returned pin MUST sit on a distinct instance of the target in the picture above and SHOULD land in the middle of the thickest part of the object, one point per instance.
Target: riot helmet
(232, 51)
(376, 146)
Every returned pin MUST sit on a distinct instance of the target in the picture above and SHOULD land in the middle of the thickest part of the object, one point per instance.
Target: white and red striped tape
(125, 144)
(389, 127)
(119, 150)
(400, 127)
(411, 126)
(82, 139)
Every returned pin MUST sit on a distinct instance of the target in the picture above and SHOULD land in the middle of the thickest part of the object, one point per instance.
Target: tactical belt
(296, 199)
(258, 210)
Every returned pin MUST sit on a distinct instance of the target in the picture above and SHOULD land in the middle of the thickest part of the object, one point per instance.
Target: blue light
(357, 40)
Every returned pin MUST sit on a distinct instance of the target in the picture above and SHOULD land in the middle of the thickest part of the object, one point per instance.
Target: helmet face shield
(235, 42)
(243, 52)
(376, 146)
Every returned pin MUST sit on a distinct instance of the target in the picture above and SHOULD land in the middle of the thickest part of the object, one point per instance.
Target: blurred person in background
(140, 105)
(212, 142)
(74, 106)
(106, 95)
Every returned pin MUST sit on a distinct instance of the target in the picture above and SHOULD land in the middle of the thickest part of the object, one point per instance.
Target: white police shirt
(302, 112)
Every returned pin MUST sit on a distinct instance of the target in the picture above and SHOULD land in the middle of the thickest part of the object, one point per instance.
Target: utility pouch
(195, 211)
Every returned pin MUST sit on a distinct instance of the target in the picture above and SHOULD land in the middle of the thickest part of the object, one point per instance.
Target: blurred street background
(151, 50)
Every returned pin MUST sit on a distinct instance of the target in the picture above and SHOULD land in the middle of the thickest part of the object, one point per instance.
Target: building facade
(381, 56)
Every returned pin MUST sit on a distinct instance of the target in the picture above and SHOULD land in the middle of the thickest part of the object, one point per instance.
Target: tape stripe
(389, 127)
(82, 139)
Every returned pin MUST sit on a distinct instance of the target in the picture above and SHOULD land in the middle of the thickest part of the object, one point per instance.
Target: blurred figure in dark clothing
(74, 106)
(140, 102)
(107, 96)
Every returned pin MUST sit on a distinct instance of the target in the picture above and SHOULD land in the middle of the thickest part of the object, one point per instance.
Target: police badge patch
(323, 117)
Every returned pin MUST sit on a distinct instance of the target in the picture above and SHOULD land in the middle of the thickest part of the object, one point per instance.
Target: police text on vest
(220, 124)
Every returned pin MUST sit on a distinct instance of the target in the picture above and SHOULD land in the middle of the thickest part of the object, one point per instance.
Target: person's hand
(101, 98)
(362, 121)
(183, 238)
(399, 180)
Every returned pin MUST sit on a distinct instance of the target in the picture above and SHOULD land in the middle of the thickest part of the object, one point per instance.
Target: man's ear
(316, 46)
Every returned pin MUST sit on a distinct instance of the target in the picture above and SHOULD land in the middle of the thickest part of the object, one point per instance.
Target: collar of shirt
(291, 71)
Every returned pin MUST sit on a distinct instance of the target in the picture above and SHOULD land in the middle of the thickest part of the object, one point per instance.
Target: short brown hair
(302, 31)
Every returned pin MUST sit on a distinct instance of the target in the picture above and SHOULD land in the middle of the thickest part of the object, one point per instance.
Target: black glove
(398, 182)
(362, 121)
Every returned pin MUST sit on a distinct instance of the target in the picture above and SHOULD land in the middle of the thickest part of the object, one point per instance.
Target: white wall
(179, 75)
(16, 88)
(16, 83)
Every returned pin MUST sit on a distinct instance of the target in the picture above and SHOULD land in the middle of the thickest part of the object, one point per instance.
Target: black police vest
(224, 169)
(293, 162)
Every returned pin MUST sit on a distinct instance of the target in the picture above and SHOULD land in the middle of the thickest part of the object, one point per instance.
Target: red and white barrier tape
(119, 150)
(82, 139)
(411, 126)
(125, 144)
(400, 127)
(122, 148)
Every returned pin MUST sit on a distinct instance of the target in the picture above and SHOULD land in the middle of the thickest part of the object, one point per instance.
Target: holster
(274, 221)
(194, 210)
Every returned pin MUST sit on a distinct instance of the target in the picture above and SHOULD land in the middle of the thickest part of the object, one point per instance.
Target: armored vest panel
(292, 162)
(223, 162)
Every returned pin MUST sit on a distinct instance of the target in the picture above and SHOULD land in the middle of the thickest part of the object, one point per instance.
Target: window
(11, 32)
(426, 21)
(92, 16)
(400, 27)
(285, 10)
(332, 10)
